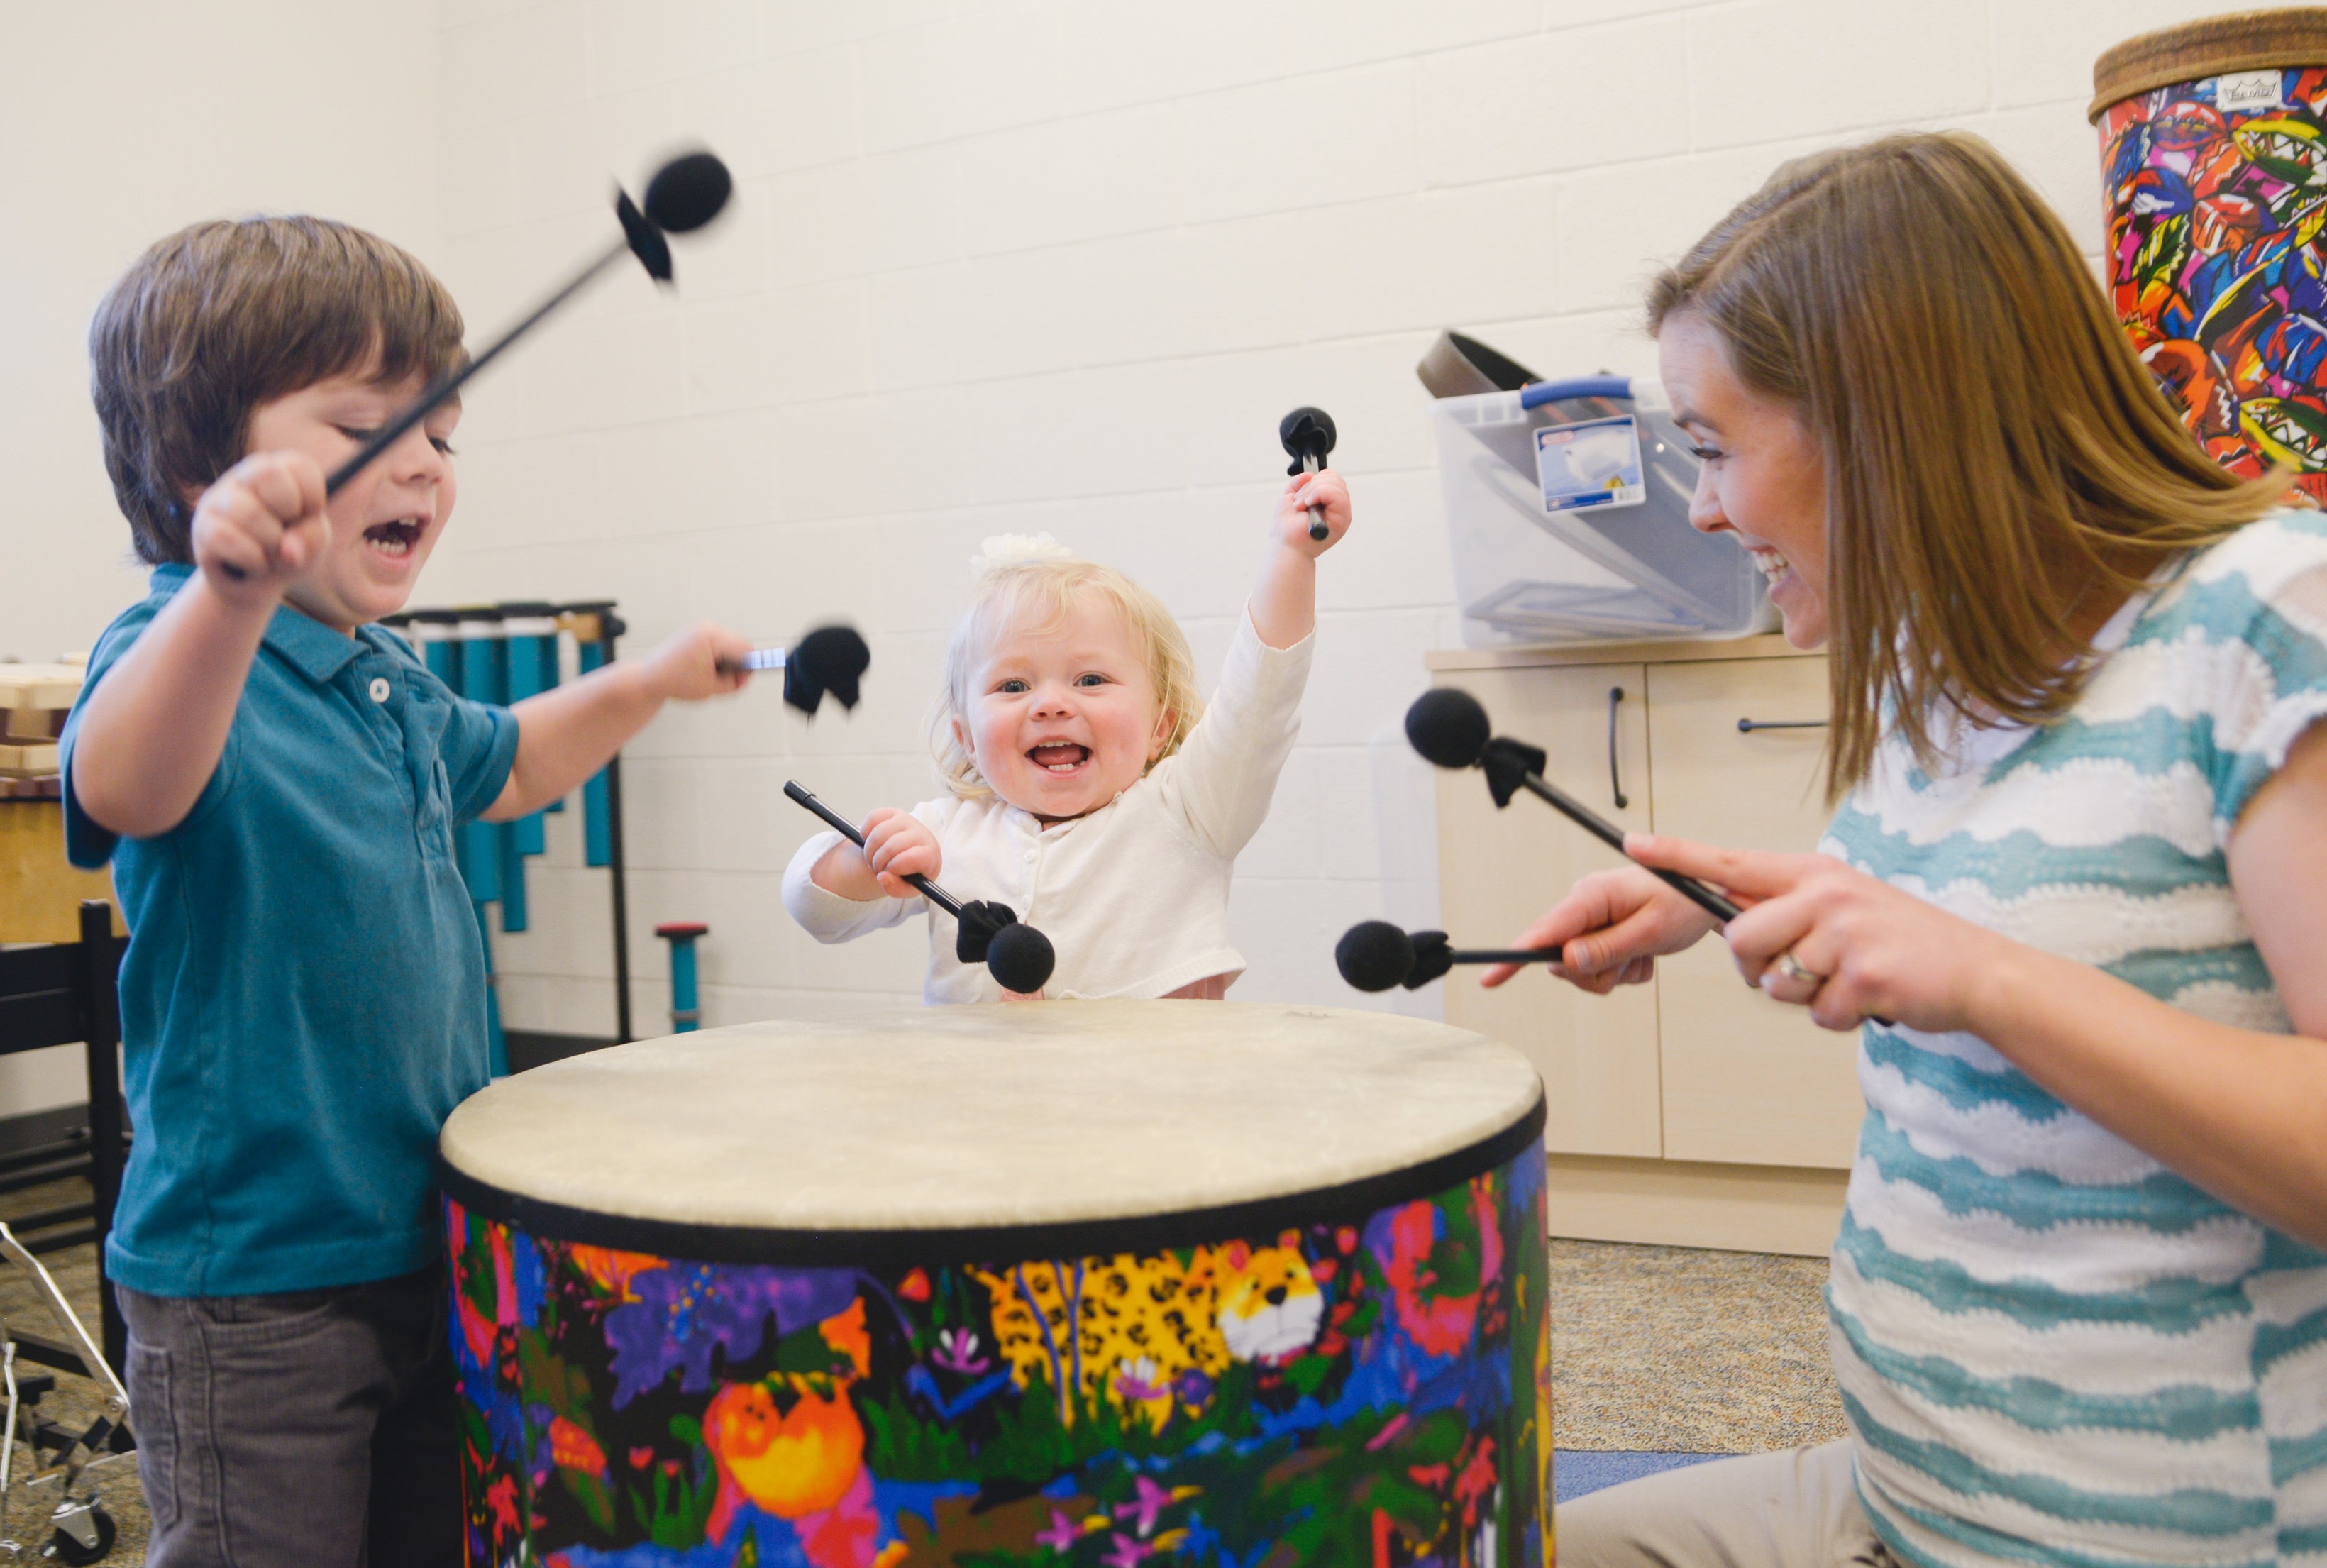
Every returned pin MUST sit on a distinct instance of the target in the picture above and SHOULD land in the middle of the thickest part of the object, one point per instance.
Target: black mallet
(683, 195)
(1308, 433)
(1018, 957)
(1374, 956)
(1449, 727)
(831, 659)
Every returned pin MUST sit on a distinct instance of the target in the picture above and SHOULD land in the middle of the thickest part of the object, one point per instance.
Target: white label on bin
(1594, 463)
(2246, 90)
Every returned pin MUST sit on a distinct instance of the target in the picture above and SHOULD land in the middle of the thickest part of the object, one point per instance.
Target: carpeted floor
(1656, 1352)
(1673, 1350)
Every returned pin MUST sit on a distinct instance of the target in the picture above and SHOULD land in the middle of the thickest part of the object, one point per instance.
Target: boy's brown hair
(223, 316)
(1994, 449)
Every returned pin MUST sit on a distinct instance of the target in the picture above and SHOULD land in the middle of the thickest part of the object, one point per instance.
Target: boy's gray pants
(315, 1429)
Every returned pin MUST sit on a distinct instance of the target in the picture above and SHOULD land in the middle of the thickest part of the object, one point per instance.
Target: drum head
(964, 1129)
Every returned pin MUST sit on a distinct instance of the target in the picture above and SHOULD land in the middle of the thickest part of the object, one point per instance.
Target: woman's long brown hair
(1998, 458)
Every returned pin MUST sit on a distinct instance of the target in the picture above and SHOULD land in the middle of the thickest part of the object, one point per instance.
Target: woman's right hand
(899, 845)
(1609, 928)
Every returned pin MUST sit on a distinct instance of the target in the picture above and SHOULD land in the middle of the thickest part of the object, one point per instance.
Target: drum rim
(695, 1241)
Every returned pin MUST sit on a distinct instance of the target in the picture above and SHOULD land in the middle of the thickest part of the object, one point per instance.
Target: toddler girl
(1090, 788)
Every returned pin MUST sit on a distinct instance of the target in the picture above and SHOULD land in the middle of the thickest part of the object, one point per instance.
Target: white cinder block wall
(1062, 265)
(1056, 266)
(124, 122)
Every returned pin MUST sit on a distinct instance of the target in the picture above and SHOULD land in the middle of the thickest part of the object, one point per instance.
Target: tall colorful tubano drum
(1101, 1283)
(2214, 165)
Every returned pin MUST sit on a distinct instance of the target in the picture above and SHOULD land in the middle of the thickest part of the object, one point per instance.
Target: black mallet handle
(434, 396)
(1503, 956)
(1609, 834)
(847, 829)
(437, 391)
(1317, 528)
(685, 194)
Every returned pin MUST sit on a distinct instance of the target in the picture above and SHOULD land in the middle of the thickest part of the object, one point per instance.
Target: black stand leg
(621, 890)
(610, 629)
(100, 961)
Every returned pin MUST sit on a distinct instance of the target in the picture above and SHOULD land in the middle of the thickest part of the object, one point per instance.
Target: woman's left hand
(1867, 949)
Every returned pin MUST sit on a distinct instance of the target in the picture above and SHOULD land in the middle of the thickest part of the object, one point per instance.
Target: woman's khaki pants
(1795, 1510)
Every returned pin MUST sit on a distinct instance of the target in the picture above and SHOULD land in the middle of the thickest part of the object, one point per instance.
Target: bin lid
(1460, 367)
(2195, 50)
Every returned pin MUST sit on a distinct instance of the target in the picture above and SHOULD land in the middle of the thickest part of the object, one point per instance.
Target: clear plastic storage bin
(1555, 539)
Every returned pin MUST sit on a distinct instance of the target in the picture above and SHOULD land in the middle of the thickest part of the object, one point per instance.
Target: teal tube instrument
(685, 1011)
(529, 644)
(484, 676)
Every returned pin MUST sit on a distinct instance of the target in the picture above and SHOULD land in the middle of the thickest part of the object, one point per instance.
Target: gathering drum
(2214, 166)
(1104, 1283)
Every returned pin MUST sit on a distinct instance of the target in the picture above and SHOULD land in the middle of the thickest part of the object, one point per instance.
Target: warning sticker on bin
(1593, 464)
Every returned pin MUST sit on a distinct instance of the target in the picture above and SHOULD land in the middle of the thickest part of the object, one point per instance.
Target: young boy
(277, 781)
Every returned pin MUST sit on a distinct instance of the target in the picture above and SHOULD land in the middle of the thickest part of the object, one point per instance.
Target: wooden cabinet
(1695, 1109)
(1597, 1055)
(1744, 1078)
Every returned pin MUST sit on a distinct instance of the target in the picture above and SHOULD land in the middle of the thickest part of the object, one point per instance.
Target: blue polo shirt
(302, 1000)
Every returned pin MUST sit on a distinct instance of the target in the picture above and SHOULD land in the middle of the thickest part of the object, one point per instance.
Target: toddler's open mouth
(1060, 756)
(396, 539)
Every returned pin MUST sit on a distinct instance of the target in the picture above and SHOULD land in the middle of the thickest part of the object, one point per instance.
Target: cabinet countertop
(1770, 644)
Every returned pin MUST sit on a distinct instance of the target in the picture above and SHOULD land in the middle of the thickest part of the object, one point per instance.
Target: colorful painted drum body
(1102, 1283)
(2214, 165)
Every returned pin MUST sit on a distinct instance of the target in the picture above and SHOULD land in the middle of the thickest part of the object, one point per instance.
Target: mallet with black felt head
(1450, 728)
(831, 659)
(683, 195)
(1018, 957)
(1374, 956)
(1308, 435)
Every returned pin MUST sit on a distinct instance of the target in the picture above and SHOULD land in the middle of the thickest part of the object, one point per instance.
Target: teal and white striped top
(2050, 1349)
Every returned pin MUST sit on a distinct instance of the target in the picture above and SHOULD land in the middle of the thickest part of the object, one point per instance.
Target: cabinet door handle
(1747, 726)
(1615, 780)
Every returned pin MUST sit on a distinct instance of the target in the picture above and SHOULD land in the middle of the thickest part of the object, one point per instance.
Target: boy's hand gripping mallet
(1018, 957)
(831, 659)
(683, 195)
(1308, 433)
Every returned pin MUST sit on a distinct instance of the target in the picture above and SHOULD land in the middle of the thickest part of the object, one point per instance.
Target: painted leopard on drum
(1138, 1331)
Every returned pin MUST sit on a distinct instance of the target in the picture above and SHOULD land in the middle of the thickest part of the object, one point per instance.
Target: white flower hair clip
(1002, 551)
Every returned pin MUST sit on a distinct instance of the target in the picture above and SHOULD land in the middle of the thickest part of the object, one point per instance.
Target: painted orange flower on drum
(789, 1457)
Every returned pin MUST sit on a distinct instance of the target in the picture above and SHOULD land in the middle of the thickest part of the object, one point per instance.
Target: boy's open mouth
(396, 539)
(1060, 756)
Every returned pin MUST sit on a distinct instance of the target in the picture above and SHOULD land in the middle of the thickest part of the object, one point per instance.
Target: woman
(2076, 894)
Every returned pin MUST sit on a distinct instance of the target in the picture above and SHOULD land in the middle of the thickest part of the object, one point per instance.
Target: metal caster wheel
(84, 1534)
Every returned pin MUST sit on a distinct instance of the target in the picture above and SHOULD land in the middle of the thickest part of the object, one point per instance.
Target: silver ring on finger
(1793, 969)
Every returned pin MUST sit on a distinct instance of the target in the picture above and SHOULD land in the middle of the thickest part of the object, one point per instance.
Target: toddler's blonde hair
(1036, 583)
